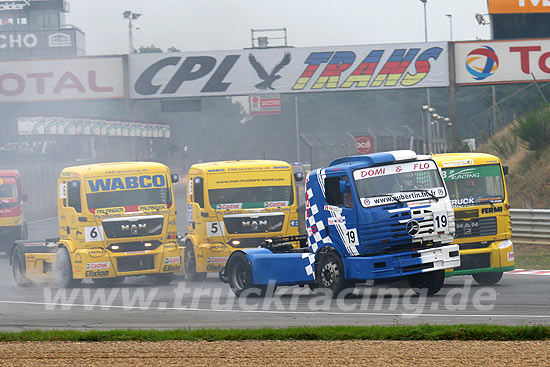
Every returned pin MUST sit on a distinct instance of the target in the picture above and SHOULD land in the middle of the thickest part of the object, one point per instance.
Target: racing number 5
(214, 229)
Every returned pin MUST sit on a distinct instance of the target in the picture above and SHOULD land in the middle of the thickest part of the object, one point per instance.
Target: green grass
(532, 256)
(421, 332)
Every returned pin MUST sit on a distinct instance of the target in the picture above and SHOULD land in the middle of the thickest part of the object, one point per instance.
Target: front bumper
(403, 264)
(498, 256)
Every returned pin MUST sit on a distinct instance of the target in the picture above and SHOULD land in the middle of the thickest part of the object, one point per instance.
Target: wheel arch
(330, 248)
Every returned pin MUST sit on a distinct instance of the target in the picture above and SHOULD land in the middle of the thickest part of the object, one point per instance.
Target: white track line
(528, 272)
(42, 220)
(411, 315)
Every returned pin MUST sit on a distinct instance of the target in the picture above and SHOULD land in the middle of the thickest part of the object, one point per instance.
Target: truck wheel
(239, 275)
(64, 270)
(19, 269)
(488, 278)
(330, 274)
(106, 282)
(432, 281)
(163, 279)
(190, 265)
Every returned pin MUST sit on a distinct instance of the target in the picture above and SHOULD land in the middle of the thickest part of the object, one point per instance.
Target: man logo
(413, 227)
(133, 228)
(254, 225)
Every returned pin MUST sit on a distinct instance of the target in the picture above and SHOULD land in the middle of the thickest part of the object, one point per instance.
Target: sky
(202, 25)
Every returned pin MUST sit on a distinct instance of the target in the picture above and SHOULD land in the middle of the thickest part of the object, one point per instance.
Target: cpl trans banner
(518, 6)
(289, 70)
(61, 79)
(490, 62)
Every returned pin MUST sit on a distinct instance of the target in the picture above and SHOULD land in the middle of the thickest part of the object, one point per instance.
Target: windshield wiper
(393, 197)
(423, 190)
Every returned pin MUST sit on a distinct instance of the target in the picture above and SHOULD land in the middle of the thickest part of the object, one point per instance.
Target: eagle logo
(268, 79)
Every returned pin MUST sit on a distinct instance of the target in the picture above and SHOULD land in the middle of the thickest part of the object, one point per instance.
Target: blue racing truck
(382, 216)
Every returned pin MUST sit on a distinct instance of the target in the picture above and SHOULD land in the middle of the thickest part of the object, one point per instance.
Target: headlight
(505, 244)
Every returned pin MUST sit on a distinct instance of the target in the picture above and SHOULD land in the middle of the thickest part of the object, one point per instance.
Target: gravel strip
(277, 353)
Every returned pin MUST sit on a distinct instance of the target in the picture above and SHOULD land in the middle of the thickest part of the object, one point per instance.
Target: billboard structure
(492, 62)
(288, 70)
(61, 79)
(36, 28)
(91, 127)
(516, 19)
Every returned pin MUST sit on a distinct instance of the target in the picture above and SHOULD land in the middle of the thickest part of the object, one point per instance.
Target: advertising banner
(518, 6)
(35, 39)
(289, 70)
(265, 104)
(490, 62)
(61, 79)
(365, 144)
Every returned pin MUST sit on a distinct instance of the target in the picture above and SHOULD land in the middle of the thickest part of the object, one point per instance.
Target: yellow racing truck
(234, 205)
(115, 220)
(477, 189)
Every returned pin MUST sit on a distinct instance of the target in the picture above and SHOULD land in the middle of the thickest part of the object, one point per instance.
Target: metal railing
(531, 226)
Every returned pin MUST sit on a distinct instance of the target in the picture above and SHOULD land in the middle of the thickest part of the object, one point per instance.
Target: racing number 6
(93, 233)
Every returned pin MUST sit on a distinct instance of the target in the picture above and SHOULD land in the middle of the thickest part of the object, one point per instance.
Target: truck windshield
(474, 185)
(7, 190)
(419, 180)
(126, 198)
(251, 197)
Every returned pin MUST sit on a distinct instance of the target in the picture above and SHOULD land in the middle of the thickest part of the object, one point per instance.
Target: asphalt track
(139, 303)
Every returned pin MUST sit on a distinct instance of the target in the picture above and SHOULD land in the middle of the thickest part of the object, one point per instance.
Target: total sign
(61, 79)
(490, 62)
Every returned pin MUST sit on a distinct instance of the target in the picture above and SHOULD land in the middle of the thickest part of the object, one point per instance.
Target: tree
(149, 50)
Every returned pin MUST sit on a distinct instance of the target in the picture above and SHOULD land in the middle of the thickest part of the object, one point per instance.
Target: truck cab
(377, 216)
(477, 188)
(115, 220)
(13, 226)
(234, 205)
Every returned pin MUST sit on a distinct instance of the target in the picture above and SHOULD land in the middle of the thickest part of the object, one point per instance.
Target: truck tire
(162, 279)
(239, 275)
(330, 274)
(18, 268)
(190, 264)
(490, 278)
(63, 270)
(107, 282)
(432, 281)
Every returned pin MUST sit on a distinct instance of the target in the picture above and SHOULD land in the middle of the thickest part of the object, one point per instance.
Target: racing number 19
(351, 236)
(441, 221)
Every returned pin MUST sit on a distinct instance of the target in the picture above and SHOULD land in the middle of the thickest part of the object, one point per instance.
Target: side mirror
(175, 178)
(299, 176)
(505, 169)
(344, 186)
(24, 197)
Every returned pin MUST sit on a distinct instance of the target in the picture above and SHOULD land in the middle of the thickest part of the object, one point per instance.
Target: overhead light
(480, 19)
